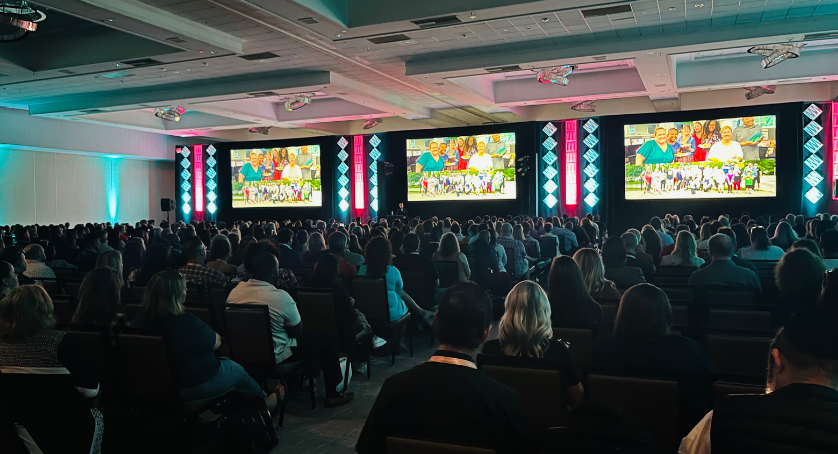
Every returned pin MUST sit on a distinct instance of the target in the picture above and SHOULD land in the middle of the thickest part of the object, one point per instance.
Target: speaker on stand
(167, 205)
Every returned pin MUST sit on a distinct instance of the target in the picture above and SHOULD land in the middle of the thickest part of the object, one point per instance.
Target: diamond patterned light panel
(549, 129)
(375, 141)
(591, 156)
(813, 161)
(813, 128)
(812, 111)
(550, 143)
(549, 172)
(550, 200)
(590, 126)
(591, 200)
(550, 186)
(813, 145)
(550, 158)
(591, 170)
(590, 141)
(814, 195)
(813, 178)
(591, 185)
(374, 155)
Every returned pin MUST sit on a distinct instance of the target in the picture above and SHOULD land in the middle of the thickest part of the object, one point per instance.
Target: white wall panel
(65, 179)
(44, 186)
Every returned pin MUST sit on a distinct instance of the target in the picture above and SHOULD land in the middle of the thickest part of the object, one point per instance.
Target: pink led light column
(571, 165)
(832, 139)
(359, 176)
(198, 162)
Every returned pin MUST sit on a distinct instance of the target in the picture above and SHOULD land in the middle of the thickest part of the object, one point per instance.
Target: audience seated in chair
(35, 266)
(593, 272)
(799, 276)
(641, 341)
(722, 271)
(100, 300)
(449, 251)
(325, 276)
(337, 248)
(8, 278)
(411, 261)
(829, 246)
(447, 399)
(761, 247)
(799, 413)
(570, 303)
(291, 259)
(14, 256)
(614, 260)
(635, 255)
(526, 330)
(195, 272)
(291, 342)
(220, 252)
(684, 252)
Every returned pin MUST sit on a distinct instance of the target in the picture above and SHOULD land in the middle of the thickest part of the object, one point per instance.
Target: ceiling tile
(801, 12)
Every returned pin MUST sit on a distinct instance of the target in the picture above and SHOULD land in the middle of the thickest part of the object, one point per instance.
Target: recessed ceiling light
(212, 52)
(506, 30)
(545, 19)
(699, 5)
(664, 74)
(650, 53)
(465, 36)
(472, 16)
(425, 77)
(338, 35)
(528, 28)
(407, 42)
(343, 31)
(672, 8)
(111, 19)
(162, 69)
(117, 64)
(658, 74)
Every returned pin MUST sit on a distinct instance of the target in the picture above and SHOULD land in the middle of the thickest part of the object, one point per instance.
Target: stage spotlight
(372, 122)
(522, 170)
(18, 19)
(523, 161)
(295, 102)
(584, 106)
(756, 92)
(556, 75)
(264, 130)
(776, 53)
(169, 113)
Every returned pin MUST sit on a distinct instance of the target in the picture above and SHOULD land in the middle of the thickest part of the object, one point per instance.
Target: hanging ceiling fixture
(264, 130)
(584, 106)
(18, 19)
(776, 53)
(169, 113)
(556, 75)
(372, 122)
(295, 102)
(756, 92)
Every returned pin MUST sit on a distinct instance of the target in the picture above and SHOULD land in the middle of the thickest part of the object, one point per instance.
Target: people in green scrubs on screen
(430, 161)
(656, 151)
(250, 171)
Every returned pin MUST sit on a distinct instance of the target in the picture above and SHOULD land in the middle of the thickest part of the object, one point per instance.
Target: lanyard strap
(454, 361)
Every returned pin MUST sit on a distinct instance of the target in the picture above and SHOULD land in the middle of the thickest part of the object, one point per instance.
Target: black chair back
(94, 344)
(63, 274)
(537, 381)
(317, 308)
(72, 289)
(548, 246)
(218, 298)
(63, 309)
(738, 354)
(414, 285)
(249, 333)
(52, 286)
(371, 298)
(581, 343)
(395, 445)
(609, 316)
(449, 273)
(131, 310)
(722, 388)
(729, 295)
(202, 311)
(136, 293)
(144, 365)
(739, 316)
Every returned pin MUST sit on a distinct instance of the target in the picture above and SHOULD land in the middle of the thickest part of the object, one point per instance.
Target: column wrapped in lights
(343, 179)
(184, 197)
(211, 183)
(374, 155)
(359, 176)
(198, 181)
(832, 138)
(571, 167)
(550, 171)
(813, 180)
(591, 170)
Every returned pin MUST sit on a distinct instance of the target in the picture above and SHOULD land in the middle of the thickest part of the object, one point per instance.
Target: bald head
(721, 246)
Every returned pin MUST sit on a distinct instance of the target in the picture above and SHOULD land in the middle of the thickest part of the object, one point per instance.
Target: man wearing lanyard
(447, 399)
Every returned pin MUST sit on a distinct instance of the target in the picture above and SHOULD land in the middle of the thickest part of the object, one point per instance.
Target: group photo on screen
(479, 167)
(274, 177)
(730, 157)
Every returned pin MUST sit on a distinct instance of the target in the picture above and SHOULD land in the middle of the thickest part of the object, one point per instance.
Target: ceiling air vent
(176, 40)
(261, 56)
(600, 58)
(66, 71)
(503, 69)
(389, 39)
(309, 20)
(435, 22)
(142, 62)
(599, 12)
(817, 36)
(261, 94)
(93, 111)
(439, 83)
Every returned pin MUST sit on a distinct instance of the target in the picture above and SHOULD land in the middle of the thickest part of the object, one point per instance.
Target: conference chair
(723, 385)
(63, 274)
(548, 247)
(94, 345)
(448, 273)
(317, 309)
(135, 293)
(414, 285)
(202, 311)
(394, 445)
(651, 398)
(609, 316)
(52, 286)
(673, 275)
(63, 308)
(743, 353)
(72, 288)
(132, 309)
(537, 381)
(727, 295)
(371, 299)
(580, 342)
(218, 298)
(737, 316)
(252, 346)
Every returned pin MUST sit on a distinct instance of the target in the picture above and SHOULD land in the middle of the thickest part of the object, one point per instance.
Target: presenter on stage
(430, 161)
(401, 211)
(726, 150)
(250, 171)
(481, 160)
(292, 171)
(656, 151)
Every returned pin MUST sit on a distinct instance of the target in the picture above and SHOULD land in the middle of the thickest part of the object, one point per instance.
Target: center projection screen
(480, 167)
(701, 159)
(276, 177)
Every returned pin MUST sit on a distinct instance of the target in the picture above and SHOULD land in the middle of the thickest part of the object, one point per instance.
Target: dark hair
(285, 236)
(807, 341)
(652, 240)
(255, 249)
(809, 245)
(464, 314)
(569, 298)
(337, 242)
(800, 273)
(740, 235)
(411, 243)
(378, 256)
(829, 240)
(221, 248)
(721, 245)
(760, 239)
(155, 260)
(192, 247)
(99, 298)
(325, 272)
(614, 252)
(132, 257)
(644, 311)
(548, 227)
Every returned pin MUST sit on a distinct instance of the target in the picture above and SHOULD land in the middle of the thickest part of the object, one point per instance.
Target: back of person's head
(220, 248)
(8, 278)
(548, 227)
(325, 271)
(526, 325)
(378, 256)
(631, 241)
(14, 255)
(337, 242)
(436, 233)
(651, 237)
(35, 252)
(99, 297)
(316, 243)
(132, 255)
(455, 228)
(721, 246)
(809, 245)
(484, 235)
(284, 236)
(263, 265)
(194, 250)
(257, 248)
(656, 223)
(110, 259)
(829, 242)
(464, 316)
(164, 295)
(800, 274)
(685, 246)
(569, 297)
(411, 243)
(614, 252)
(644, 311)
(759, 239)
(472, 230)
(26, 311)
(593, 271)
(805, 350)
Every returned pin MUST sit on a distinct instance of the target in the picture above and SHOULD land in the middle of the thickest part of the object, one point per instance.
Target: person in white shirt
(761, 247)
(727, 149)
(481, 160)
(35, 266)
(292, 171)
(290, 342)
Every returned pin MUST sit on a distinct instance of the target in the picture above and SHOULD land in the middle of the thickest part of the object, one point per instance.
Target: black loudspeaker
(167, 205)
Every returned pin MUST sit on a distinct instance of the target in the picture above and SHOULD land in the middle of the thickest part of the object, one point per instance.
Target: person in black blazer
(648, 269)
(614, 259)
(290, 258)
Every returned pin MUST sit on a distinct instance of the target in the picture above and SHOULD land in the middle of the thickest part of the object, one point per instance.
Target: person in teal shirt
(656, 151)
(430, 161)
(250, 171)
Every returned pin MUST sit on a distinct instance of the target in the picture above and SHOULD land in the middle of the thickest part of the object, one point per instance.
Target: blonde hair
(685, 247)
(593, 271)
(164, 295)
(526, 327)
(26, 311)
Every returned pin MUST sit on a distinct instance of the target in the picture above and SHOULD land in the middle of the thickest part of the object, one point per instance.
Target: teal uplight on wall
(113, 190)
